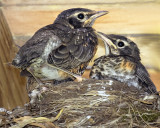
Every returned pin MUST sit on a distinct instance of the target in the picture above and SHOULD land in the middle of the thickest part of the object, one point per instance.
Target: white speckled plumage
(122, 63)
(53, 43)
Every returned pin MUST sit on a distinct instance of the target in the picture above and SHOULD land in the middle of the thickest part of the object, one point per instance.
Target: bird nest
(91, 103)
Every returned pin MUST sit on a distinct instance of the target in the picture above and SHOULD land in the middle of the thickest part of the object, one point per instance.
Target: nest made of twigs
(91, 103)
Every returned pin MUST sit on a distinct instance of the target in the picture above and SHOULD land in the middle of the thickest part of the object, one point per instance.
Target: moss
(146, 115)
(150, 117)
(124, 118)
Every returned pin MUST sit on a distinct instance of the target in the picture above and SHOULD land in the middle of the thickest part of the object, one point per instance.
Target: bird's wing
(83, 46)
(79, 51)
(41, 43)
(144, 79)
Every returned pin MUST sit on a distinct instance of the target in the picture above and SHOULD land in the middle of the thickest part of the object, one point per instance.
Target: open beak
(107, 42)
(93, 17)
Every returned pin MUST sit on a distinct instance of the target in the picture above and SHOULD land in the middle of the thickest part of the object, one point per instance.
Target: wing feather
(35, 47)
(79, 50)
(145, 79)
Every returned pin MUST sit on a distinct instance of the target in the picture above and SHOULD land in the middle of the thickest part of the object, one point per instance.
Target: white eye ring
(121, 43)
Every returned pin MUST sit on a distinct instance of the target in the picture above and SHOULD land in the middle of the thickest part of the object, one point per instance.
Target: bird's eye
(81, 16)
(120, 44)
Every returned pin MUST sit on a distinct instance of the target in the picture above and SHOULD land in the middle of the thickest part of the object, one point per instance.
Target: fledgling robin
(62, 50)
(122, 63)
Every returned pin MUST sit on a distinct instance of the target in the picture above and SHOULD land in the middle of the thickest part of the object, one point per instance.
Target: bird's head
(117, 45)
(79, 17)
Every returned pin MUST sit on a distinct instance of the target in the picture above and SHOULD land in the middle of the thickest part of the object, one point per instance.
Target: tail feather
(16, 61)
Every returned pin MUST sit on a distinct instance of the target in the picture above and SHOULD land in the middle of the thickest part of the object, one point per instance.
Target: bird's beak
(107, 42)
(94, 15)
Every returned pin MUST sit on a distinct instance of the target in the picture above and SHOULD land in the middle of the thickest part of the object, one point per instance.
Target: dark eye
(120, 44)
(80, 16)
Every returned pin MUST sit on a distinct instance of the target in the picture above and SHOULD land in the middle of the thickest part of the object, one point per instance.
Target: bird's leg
(29, 84)
(78, 77)
(36, 92)
(37, 80)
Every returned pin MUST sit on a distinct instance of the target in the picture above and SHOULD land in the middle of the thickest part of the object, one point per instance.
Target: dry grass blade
(26, 120)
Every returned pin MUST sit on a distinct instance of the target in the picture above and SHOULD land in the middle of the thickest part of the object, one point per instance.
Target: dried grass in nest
(91, 103)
